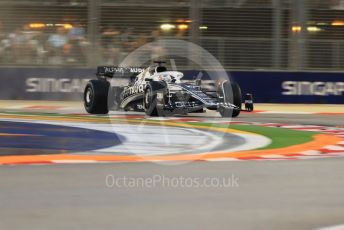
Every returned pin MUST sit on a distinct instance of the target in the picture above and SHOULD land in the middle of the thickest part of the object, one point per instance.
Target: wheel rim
(88, 96)
(147, 98)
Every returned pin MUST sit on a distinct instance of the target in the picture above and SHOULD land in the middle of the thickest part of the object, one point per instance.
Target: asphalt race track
(67, 181)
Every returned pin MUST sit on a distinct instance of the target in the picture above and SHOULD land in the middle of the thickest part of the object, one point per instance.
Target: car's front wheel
(231, 90)
(96, 97)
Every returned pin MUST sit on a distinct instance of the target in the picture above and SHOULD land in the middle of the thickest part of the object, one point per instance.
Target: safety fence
(242, 34)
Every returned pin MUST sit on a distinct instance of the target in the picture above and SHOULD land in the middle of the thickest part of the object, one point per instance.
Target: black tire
(96, 97)
(236, 99)
(150, 102)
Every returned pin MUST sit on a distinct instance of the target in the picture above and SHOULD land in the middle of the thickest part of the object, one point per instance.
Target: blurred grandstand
(241, 34)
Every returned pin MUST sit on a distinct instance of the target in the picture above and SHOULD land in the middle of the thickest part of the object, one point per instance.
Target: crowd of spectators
(116, 45)
(69, 46)
(28, 46)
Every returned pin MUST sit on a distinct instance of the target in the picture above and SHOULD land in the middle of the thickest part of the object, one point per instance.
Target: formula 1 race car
(159, 92)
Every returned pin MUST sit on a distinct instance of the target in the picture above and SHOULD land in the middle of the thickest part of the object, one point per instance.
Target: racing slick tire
(153, 105)
(236, 94)
(96, 97)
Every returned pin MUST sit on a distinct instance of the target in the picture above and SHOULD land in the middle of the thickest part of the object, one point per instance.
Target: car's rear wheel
(96, 97)
(151, 103)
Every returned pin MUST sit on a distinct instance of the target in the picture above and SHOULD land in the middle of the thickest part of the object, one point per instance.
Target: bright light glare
(36, 25)
(337, 23)
(167, 27)
(296, 28)
(313, 29)
(183, 27)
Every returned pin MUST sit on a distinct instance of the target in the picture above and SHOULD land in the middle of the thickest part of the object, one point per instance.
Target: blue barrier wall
(267, 87)
(293, 87)
(44, 83)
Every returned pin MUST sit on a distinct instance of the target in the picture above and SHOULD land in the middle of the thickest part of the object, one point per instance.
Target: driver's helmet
(165, 77)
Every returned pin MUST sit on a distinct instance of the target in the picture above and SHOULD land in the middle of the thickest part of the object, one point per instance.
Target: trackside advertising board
(293, 87)
(266, 86)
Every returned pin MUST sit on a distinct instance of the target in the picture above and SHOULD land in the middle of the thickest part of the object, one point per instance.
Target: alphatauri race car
(159, 92)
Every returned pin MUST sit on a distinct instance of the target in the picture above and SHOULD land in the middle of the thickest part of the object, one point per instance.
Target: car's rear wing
(114, 71)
